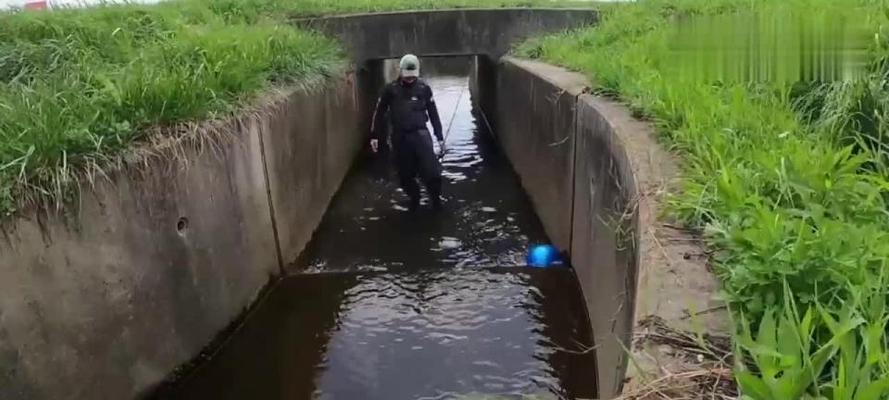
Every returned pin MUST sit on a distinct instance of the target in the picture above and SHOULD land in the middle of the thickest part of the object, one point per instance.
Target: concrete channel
(167, 266)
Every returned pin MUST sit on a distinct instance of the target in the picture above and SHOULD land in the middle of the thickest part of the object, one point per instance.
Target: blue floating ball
(542, 256)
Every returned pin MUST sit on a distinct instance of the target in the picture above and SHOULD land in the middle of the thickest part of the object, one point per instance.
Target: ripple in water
(408, 335)
(393, 305)
(488, 220)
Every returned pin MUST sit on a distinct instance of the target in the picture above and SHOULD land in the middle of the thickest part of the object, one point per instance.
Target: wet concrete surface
(427, 305)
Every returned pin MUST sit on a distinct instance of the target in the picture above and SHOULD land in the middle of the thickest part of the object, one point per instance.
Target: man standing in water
(409, 103)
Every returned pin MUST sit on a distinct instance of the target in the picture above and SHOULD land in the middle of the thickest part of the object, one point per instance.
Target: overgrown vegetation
(79, 86)
(787, 181)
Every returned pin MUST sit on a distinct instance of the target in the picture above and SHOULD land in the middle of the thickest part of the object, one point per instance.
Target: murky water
(426, 305)
(487, 221)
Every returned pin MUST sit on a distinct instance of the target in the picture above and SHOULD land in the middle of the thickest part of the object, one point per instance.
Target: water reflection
(430, 334)
(488, 219)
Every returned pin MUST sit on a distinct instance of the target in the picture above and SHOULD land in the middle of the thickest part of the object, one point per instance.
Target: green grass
(788, 182)
(309, 8)
(79, 86)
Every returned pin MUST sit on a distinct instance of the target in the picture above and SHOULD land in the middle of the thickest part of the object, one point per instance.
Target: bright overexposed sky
(8, 3)
(21, 3)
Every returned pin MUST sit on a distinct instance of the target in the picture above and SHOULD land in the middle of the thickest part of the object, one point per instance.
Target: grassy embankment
(80, 86)
(77, 87)
(788, 181)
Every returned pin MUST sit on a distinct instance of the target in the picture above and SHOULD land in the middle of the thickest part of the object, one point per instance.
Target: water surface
(428, 305)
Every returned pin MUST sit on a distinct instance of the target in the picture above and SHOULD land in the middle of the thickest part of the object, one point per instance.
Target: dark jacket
(409, 108)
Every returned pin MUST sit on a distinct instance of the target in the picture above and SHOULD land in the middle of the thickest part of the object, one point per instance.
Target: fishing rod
(451, 124)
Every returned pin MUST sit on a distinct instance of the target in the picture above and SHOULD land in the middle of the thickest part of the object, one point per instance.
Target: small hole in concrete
(182, 225)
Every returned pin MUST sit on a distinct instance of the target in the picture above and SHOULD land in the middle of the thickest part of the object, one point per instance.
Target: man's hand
(374, 145)
(441, 148)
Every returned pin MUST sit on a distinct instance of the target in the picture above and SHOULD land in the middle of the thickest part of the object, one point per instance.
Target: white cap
(410, 66)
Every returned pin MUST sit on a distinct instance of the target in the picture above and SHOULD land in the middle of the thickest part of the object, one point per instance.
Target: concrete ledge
(596, 177)
(445, 32)
(159, 257)
(671, 279)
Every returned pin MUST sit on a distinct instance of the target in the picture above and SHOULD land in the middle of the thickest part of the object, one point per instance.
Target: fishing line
(451, 123)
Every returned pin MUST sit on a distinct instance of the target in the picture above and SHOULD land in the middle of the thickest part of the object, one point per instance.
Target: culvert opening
(389, 304)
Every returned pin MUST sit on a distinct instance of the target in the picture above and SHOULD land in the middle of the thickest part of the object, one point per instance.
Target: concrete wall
(307, 160)
(604, 239)
(488, 33)
(667, 277)
(594, 175)
(153, 262)
(535, 127)
(491, 32)
(483, 87)
(432, 67)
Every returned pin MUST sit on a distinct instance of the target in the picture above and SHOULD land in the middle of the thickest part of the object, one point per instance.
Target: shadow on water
(395, 305)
